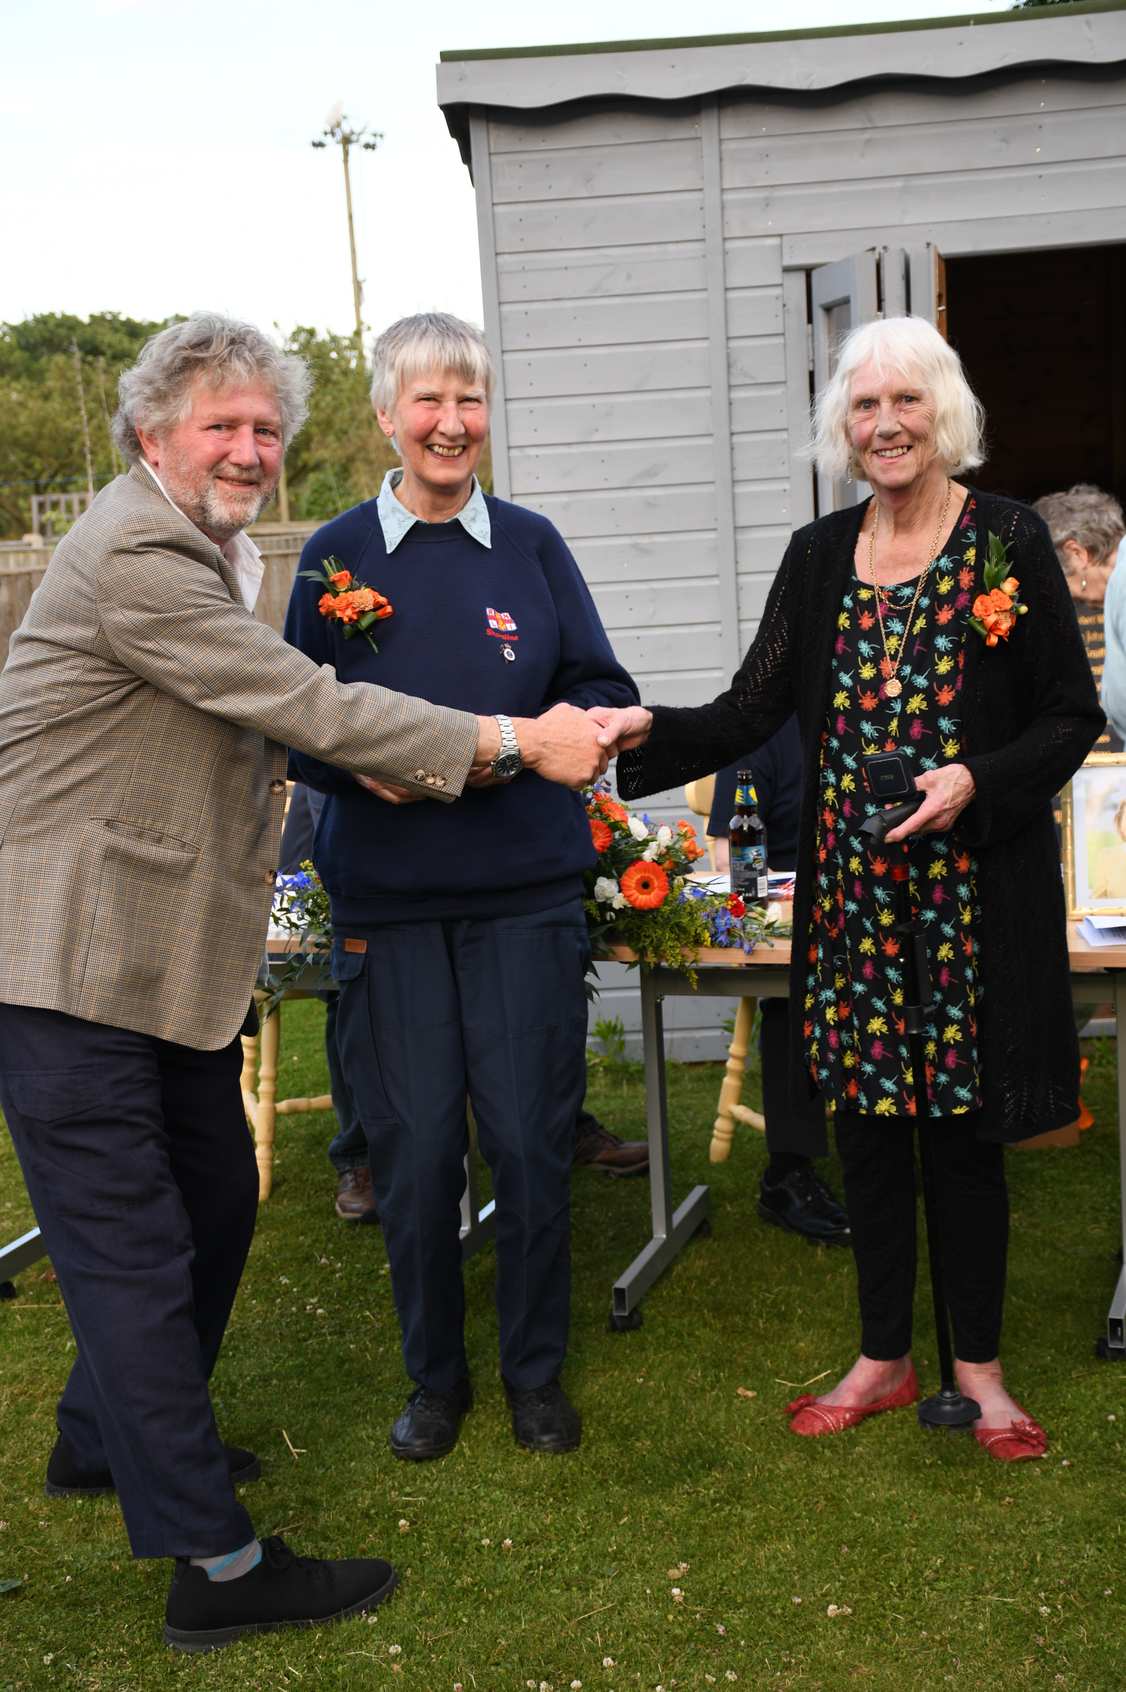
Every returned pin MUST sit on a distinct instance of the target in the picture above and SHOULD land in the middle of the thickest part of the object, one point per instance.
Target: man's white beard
(216, 508)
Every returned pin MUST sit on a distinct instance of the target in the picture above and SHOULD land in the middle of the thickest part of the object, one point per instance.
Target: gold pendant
(893, 687)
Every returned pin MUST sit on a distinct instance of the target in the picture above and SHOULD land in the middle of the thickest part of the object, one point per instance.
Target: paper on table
(1103, 931)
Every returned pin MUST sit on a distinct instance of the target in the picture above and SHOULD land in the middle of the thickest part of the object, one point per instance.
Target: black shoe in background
(283, 1590)
(429, 1424)
(66, 1480)
(801, 1203)
(544, 1418)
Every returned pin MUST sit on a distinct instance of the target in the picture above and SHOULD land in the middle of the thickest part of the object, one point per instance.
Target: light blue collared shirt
(396, 521)
(1114, 626)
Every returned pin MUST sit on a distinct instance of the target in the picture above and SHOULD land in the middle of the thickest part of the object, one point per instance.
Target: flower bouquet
(638, 894)
(302, 909)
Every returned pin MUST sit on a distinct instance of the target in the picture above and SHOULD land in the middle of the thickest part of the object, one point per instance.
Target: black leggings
(878, 1155)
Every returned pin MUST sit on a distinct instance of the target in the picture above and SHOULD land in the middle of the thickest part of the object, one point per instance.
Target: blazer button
(439, 781)
(270, 875)
(277, 787)
(420, 775)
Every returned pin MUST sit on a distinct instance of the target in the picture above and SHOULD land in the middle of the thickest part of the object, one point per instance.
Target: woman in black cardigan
(867, 635)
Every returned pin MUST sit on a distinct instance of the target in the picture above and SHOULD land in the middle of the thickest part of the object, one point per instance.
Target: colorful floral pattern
(855, 1042)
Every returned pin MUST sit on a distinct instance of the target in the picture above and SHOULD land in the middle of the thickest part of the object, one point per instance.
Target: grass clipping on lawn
(883, 1558)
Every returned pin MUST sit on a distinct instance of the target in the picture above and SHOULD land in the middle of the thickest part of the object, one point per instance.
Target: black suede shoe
(802, 1204)
(66, 1480)
(283, 1590)
(429, 1425)
(544, 1418)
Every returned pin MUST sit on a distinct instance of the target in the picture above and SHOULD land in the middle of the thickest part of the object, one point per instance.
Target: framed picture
(1094, 837)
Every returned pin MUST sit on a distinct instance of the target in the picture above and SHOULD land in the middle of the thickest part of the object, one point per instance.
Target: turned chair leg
(732, 1088)
(265, 1115)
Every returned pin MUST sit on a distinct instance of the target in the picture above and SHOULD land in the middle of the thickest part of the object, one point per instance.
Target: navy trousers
(494, 1008)
(141, 1173)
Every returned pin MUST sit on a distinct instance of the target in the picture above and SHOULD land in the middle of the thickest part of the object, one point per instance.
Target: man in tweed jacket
(144, 720)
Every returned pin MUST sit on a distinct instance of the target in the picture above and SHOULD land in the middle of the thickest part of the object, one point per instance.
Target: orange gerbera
(610, 808)
(644, 886)
(601, 833)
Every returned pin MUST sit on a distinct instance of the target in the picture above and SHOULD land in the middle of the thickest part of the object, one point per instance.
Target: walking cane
(947, 1408)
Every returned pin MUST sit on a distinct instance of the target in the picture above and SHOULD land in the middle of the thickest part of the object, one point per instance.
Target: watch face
(508, 764)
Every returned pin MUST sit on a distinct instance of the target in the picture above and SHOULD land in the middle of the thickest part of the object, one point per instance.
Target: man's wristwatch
(508, 761)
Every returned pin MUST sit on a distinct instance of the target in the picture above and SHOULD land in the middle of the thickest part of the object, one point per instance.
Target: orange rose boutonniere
(347, 601)
(997, 609)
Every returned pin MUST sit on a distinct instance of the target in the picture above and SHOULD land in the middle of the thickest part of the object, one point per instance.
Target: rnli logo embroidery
(501, 625)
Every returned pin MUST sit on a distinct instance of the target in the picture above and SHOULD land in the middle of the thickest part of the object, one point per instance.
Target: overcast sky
(156, 157)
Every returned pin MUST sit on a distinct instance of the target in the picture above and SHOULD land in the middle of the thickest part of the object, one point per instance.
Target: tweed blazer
(144, 720)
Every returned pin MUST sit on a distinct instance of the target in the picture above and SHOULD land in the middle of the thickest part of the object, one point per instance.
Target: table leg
(1115, 1343)
(265, 1116)
(477, 1226)
(671, 1228)
(731, 1091)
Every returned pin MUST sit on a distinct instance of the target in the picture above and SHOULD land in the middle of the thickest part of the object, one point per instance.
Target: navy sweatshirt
(496, 851)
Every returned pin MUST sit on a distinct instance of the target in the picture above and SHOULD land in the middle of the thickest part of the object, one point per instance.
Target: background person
(460, 942)
(866, 635)
(1086, 527)
(144, 715)
(791, 1193)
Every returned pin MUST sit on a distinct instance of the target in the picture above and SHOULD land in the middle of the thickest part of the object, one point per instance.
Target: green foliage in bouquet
(303, 909)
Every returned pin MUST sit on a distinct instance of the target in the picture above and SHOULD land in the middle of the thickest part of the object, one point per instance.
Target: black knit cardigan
(1030, 714)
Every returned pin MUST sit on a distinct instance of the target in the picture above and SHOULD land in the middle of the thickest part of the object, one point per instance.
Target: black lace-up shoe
(544, 1418)
(283, 1590)
(802, 1204)
(66, 1480)
(429, 1424)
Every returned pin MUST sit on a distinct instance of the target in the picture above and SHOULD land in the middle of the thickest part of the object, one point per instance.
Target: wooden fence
(22, 569)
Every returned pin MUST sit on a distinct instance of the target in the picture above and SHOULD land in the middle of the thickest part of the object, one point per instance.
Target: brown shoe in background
(354, 1200)
(602, 1150)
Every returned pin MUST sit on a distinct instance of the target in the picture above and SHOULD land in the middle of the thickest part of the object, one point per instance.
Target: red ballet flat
(1020, 1442)
(812, 1419)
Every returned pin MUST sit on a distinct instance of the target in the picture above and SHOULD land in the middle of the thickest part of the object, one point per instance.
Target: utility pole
(337, 129)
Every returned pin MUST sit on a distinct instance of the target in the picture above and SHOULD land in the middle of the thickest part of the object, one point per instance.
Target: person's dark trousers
(493, 1007)
(141, 1173)
(878, 1155)
(789, 1130)
(348, 1148)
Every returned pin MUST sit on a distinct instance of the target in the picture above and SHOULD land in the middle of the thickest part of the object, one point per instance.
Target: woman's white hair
(913, 348)
(428, 343)
(157, 391)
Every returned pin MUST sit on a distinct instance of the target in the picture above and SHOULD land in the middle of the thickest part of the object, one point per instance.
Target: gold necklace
(893, 687)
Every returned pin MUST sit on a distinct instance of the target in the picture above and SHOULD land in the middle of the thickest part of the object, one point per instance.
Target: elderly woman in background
(460, 939)
(1086, 527)
(867, 635)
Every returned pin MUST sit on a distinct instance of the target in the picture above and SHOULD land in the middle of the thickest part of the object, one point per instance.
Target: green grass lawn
(947, 1568)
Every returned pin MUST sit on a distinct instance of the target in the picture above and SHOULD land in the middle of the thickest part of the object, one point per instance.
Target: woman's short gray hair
(157, 391)
(429, 342)
(911, 347)
(1086, 515)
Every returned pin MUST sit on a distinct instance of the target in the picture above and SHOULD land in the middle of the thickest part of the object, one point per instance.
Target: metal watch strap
(508, 741)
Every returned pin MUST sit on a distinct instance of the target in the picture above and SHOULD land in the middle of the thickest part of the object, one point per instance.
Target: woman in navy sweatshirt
(460, 940)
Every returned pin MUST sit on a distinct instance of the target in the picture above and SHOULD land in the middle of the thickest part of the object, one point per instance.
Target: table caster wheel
(627, 1323)
(702, 1232)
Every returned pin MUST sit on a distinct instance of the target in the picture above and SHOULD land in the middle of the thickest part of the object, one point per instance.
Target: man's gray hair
(1085, 515)
(431, 342)
(157, 391)
(913, 348)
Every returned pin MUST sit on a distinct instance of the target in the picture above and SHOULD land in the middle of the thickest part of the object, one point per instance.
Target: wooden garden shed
(672, 234)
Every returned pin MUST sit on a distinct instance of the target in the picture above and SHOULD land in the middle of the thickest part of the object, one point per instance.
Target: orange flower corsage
(347, 601)
(996, 610)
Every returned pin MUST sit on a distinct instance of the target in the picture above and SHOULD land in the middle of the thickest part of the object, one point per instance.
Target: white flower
(404, 1525)
(576, 1686)
(607, 1662)
(652, 852)
(605, 888)
(506, 1545)
(677, 1595)
(1045, 1610)
(664, 835)
(638, 829)
(731, 1675)
(486, 1542)
(838, 1610)
(394, 1650)
(774, 911)
(619, 902)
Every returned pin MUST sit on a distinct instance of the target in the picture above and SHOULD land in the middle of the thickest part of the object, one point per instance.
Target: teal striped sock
(234, 1564)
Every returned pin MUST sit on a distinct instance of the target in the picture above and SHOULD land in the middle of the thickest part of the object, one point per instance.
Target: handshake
(566, 745)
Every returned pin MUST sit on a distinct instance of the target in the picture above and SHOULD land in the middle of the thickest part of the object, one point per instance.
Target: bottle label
(746, 796)
(748, 871)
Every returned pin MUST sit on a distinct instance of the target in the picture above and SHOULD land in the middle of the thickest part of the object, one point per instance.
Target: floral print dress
(854, 1035)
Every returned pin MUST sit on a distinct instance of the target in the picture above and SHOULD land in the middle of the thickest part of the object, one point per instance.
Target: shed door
(845, 294)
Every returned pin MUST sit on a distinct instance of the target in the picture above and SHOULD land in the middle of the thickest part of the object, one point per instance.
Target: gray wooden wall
(644, 269)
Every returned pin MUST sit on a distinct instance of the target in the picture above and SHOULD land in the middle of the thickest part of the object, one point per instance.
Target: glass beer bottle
(747, 844)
